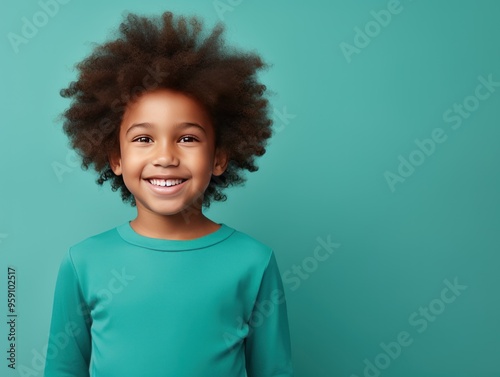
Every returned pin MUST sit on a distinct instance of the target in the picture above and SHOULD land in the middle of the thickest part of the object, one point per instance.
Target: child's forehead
(166, 98)
(165, 106)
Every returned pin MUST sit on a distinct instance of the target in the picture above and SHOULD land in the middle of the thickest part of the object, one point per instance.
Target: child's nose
(165, 155)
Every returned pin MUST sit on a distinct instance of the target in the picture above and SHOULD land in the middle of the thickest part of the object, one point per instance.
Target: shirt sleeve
(267, 345)
(69, 345)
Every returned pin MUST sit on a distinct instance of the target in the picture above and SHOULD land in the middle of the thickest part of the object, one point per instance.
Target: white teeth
(165, 182)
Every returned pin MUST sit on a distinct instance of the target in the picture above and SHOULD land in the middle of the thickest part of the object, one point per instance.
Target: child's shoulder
(248, 240)
(97, 240)
(244, 242)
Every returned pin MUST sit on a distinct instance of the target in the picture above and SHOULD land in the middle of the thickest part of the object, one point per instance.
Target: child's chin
(183, 211)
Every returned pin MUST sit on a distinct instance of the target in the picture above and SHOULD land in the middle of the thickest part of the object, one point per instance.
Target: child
(170, 119)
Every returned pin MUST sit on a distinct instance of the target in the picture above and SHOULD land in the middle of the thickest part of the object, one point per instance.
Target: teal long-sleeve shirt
(127, 305)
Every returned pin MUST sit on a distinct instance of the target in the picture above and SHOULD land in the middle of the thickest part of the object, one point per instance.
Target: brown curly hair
(168, 52)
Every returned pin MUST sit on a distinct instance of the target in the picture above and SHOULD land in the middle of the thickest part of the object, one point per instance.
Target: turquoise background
(350, 121)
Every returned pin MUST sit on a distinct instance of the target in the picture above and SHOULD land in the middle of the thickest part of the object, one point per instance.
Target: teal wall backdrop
(379, 192)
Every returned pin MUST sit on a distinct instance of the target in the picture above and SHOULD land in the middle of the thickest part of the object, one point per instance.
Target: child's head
(167, 151)
(166, 62)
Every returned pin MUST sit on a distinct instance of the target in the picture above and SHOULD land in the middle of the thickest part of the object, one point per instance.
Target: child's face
(159, 140)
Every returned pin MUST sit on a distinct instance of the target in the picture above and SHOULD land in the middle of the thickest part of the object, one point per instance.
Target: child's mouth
(166, 186)
(166, 182)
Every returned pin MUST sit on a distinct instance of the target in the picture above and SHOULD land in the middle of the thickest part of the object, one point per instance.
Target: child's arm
(69, 348)
(267, 348)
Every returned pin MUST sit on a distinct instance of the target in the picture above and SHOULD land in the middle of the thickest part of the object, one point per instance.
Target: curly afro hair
(168, 52)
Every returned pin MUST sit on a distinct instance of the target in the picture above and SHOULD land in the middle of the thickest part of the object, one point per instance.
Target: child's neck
(175, 227)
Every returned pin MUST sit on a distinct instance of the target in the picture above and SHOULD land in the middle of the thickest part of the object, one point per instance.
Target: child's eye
(142, 138)
(187, 139)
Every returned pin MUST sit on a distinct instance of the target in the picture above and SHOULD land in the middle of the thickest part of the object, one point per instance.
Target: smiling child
(170, 118)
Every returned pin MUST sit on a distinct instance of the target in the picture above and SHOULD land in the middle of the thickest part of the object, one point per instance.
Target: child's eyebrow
(179, 125)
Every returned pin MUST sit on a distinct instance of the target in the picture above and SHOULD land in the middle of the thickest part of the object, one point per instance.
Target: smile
(166, 182)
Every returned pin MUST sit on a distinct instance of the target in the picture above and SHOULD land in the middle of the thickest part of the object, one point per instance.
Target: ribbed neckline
(128, 234)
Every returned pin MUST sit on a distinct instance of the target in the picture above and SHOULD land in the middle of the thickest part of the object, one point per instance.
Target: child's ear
(220, 162)
(115, 163)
